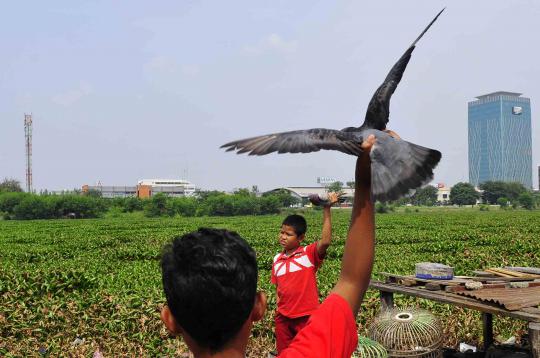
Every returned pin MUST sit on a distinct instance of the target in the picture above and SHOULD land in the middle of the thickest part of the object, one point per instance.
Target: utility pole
(28, 142)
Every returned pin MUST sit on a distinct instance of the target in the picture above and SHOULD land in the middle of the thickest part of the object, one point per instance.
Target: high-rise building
(500, 139)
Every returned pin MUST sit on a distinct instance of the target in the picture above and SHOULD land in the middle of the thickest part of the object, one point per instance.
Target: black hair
(297, 222)
(210, 281)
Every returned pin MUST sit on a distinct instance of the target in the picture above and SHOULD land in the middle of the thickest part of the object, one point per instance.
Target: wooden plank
(507, 272)
(498, 273)
(504, 279)
(512, 273)
(483, 273)
(454, 299)
(531, 270)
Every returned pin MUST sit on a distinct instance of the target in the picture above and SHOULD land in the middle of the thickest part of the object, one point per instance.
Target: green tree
(246, 205)
(350, 184)
(202, 195)
(285, 198)
(34, 207)
(183, 206)
(243, 192)
(493, 190)
(503, 202)
(514, 190)
(8, 202)
(335, 187)
(536, 197)
(526, 200)
(133, 204)
(270, 204)
(78, 205)
(219, 205)
(425, 196)
(10, 185)
(463, 194)
(157, 206)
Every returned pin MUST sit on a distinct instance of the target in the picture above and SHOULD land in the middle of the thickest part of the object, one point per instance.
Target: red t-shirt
(330, 332)
(296, 282)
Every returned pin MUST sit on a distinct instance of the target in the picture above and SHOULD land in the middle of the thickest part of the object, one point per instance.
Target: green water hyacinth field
(74, 287)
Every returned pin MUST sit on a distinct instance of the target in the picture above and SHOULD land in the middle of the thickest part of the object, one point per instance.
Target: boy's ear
(259, 308)
(301, 237)
(170, 322)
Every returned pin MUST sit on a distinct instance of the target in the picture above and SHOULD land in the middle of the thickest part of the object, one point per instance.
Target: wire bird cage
(368, 348)
(409, 332)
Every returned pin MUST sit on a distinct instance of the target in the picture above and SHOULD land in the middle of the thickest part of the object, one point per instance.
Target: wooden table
(530, 314)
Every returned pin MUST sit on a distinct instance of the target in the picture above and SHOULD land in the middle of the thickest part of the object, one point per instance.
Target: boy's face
(288, 238)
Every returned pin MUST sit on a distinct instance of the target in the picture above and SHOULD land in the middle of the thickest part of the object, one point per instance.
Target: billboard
(325, 180)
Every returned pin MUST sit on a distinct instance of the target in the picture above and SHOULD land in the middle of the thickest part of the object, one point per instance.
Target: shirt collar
(298, 250)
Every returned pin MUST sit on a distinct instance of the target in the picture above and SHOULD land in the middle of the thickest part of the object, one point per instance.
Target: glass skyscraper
(500, 139)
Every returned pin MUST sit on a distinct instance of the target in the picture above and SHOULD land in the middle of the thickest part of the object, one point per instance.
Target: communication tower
(28, 143)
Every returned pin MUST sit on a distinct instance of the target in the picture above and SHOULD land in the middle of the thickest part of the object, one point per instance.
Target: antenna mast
(28, 143)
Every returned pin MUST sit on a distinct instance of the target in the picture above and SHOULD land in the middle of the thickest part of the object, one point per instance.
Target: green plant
(100, 278)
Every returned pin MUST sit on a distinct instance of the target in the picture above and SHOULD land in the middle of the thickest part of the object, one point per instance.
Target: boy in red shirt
(294, 274)
(210, 282)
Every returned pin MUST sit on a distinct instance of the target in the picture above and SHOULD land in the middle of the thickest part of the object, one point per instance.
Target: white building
(443, 193)
(171, 187)
(302, 193)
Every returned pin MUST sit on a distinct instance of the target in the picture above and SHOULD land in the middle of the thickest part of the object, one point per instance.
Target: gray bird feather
(397, 165)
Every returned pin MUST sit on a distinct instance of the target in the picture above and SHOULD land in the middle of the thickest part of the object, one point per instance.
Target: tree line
(16, 204)
(500, 193)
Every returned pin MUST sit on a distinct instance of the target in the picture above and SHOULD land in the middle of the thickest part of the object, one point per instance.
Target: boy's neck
(291, 251)
(236, 348)
(227, 353)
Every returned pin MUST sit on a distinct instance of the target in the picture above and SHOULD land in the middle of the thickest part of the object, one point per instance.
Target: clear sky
(126, 90)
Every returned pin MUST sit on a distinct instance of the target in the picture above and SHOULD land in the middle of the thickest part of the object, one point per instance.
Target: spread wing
(302, 141)
(379, 107)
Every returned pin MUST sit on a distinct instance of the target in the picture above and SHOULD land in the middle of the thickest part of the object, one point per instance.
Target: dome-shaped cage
(409, 332)
(368, 348)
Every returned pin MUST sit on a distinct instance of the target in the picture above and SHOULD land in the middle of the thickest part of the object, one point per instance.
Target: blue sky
(126, 90)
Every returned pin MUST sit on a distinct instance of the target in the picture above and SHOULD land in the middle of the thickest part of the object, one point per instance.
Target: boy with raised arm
(294, 272)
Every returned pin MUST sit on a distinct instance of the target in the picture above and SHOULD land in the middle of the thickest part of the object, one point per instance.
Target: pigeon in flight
(397, 166)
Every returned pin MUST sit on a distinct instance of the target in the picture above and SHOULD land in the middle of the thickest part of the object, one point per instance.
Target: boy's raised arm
(326, 236)
(357, 261)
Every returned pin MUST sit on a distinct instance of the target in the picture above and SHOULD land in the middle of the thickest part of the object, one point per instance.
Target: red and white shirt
(329, 332)
(296, 281)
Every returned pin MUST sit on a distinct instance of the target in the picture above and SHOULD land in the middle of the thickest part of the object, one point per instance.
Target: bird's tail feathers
(398, 166)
